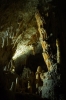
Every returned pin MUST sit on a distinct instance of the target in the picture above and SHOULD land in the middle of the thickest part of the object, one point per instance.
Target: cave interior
(32, 49)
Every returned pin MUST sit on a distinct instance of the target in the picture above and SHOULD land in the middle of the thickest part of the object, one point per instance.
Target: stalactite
(7, 35)
(3, 40)
(11, 63)
(7, 40)
(12, 68)
(58, 51)
(11, 32)
(6, 32)
(9, 66)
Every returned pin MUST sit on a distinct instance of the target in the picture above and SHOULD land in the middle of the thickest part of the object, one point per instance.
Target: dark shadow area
(34, 61)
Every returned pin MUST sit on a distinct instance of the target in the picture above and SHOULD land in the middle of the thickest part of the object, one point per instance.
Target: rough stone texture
(50, 78)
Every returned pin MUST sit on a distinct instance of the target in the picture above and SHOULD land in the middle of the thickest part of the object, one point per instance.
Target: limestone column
(43, 37)
(50, 77)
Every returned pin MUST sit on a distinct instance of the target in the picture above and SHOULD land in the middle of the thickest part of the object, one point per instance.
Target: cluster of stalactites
(5, 36)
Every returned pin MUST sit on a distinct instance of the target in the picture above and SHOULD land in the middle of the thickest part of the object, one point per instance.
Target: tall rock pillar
(50, 78)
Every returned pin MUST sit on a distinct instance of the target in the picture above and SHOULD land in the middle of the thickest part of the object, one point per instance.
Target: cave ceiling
(19, 36)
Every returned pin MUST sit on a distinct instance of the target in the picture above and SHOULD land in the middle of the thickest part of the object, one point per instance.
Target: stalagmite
(17, 84)
(12, 87)
(7, 33)
(29, 87)
(4, 68)
(38, 79)
(16, 80)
